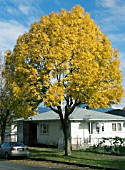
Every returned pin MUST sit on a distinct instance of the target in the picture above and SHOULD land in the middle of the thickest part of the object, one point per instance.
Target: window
(119, 127)
(102, 127)
(97, 127)
(113, 126)
(44, 128)
(116, 127)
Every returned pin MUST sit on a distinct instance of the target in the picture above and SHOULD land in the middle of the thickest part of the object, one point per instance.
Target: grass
(79, 157)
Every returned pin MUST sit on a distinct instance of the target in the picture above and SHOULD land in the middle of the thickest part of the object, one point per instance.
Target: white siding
(20, 131)
(79, 129)
(53, 136)
(14, 133)
(107, 133)
(80, 136)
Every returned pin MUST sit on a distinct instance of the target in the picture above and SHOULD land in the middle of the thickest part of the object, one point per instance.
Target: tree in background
(64, 61)
(10, 107)
(2, 84)
(5, 116)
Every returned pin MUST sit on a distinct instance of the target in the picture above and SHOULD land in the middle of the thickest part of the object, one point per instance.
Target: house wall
(78, 129)
(13, 133)
(83, 134)
(79, 134)
(53, 136)
(107, 133)
(10, 133)
(20, 131)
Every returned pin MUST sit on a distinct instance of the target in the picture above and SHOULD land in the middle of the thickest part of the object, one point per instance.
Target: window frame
(119, 128)
(102, 127)
(116, 127)
(44, 128)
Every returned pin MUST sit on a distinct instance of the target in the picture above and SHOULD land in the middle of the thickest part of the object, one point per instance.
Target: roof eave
(97, 120)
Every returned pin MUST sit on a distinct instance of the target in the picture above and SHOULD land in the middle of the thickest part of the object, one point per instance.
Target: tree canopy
(66, 55)
(66, 60)
(10, 107)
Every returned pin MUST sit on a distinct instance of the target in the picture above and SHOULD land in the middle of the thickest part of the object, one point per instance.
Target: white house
(10, 133)
(87, 128)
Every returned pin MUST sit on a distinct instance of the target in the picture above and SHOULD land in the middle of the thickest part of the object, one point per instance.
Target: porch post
(90, 131)
(90, 124)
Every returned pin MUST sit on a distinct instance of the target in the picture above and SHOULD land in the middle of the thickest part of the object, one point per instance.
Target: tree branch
(55, 110)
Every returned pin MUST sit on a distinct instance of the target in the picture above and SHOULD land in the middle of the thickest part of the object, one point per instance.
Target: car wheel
(6, 155)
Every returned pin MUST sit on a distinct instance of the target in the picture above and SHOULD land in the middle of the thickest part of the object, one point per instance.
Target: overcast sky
(16, 16)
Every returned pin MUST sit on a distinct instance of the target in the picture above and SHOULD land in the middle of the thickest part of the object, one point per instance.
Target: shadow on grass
(90, 160)
(99, 166)
(36, 151)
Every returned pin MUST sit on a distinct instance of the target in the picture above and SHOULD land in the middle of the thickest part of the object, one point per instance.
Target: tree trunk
(3, 133)
(67, 138)
(67, 145)
(65, 122)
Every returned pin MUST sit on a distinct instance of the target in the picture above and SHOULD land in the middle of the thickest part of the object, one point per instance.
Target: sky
(16, 16)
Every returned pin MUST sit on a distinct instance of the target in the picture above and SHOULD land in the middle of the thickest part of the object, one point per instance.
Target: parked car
(8, 149)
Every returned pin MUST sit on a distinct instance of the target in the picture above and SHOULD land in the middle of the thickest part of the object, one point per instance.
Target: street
(6, 165)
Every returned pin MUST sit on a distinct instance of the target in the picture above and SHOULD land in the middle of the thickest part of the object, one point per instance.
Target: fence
(80, 143)
(76, 143)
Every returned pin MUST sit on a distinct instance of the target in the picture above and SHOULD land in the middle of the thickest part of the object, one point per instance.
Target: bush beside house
(110, 145)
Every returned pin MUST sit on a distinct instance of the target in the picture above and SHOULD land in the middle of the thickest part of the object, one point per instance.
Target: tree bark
(3, 127)
(65, 122)
(67, 136)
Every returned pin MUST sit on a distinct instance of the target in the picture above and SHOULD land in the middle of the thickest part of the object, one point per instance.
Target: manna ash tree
(65, 60)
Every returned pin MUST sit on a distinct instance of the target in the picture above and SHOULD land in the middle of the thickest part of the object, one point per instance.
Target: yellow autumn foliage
(65, 55)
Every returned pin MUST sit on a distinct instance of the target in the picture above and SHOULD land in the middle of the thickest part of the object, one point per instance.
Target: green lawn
(79, 157)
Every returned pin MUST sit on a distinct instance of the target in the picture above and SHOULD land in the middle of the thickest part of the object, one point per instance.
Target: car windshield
(16, 144)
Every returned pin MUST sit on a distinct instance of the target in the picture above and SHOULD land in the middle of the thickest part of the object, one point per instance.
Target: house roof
(50, 115)
(84, 114)
(79, 114)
